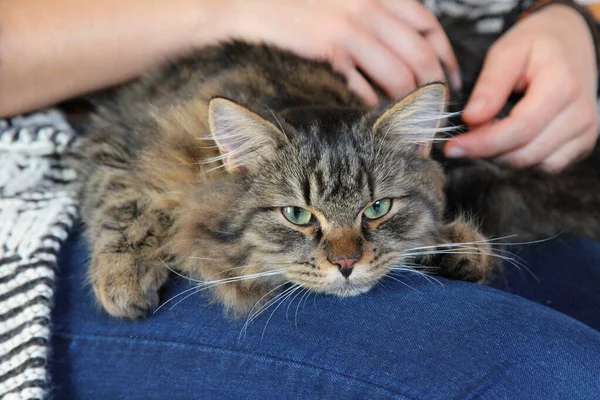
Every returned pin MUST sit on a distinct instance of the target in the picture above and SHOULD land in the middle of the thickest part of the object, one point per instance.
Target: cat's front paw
(466, 255)
(123, 288)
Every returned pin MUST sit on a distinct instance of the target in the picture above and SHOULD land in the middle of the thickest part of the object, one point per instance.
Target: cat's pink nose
(345, 265)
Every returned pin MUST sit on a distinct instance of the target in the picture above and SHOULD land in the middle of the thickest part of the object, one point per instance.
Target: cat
(249, 164)
(248, 168)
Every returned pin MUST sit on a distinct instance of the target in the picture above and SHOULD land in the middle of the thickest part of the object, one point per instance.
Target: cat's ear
(243, 137)
(415, 119)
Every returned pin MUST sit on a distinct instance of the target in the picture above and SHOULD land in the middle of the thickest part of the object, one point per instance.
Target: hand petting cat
(398, 44)
(550, 56)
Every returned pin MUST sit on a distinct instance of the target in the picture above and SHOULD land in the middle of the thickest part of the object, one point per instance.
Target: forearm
(53, 50)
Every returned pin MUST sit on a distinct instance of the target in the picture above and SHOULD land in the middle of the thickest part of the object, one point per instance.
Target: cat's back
(258, 76)
(152, 127)
(176, 95)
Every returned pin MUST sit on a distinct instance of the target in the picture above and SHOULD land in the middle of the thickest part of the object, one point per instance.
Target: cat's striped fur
(158, 190)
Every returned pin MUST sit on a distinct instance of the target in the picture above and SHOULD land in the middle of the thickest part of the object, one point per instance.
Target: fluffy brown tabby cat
(247, 161)
(250, 166)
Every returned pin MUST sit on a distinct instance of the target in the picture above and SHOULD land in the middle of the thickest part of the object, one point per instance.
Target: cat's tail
(527, 204)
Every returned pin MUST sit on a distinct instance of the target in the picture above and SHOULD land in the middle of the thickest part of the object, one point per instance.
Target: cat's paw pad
(470, 261)
(124, 290)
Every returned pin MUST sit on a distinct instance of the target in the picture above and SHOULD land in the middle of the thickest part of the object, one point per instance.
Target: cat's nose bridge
(343, 244)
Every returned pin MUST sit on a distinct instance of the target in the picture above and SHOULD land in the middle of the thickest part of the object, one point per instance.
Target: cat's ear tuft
(243, 137)
(415, 119)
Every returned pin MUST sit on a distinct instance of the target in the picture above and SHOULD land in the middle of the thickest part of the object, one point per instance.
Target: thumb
(503, 70)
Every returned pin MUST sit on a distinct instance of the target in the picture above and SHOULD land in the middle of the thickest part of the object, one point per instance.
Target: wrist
(568, 9)
(217, 20)
(559, 11)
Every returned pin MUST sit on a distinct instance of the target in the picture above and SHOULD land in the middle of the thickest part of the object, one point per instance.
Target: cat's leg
(125, 235)
(465, 253)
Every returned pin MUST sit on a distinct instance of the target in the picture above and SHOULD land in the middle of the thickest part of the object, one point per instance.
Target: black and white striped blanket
(37, 210)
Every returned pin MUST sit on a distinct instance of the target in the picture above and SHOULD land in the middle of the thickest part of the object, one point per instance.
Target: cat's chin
(349, 290)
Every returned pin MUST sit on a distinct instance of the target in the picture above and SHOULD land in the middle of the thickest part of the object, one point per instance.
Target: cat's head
(330, 198)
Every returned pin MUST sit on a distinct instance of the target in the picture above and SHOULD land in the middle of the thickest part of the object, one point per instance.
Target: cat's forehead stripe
(306, 190)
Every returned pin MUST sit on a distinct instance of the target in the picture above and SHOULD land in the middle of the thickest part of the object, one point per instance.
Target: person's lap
(429, 340)
(562, 273)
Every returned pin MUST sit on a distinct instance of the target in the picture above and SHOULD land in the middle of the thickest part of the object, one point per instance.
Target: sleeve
(486, 17)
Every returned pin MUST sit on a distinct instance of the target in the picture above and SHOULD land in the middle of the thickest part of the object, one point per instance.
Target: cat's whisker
(402, 282)
(463, 248)
(226, 270)
(519, 264)
(474, 251)
(276, 119)
(424, 275)
(267, 305)
(210, 284)
(292, 301)
(250, 313)
(173, 298)
(457, 251)
(282, 300)
(221, 166)
(429, 277)
(306, 292)
(285, 263)
(177, 273)
(490, 241)
(420, 269)
(253, 315)
(528, 242)
(508, 254)
(243, 277)
(191, 294)
(423, 270)
(435, 246)
(441, 251)
(220, 272)
(420, 266)
(435, 116)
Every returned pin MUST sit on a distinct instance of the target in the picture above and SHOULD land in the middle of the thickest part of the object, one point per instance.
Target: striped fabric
(488, 16)
(37, 210)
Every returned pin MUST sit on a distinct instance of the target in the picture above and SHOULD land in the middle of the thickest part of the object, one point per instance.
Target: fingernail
(475, 106)
(455, 152)
(456, 81)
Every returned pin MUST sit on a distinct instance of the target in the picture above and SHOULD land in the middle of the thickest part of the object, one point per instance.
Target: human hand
(398, 44)
(550, 56)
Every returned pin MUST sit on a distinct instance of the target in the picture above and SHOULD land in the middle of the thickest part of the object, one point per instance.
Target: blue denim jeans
(403, 340)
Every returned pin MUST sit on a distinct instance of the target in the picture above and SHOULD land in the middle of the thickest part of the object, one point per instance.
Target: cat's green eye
(297, 215)
(378, 209)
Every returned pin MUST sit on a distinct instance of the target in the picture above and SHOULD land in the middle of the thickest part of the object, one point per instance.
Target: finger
(502, 69)
(564, 128)
(443, 49)
(380, 64)
(542, 102)
(408, 45)
(359, 85)
(569, 153)
(422, 20)
(355, 80)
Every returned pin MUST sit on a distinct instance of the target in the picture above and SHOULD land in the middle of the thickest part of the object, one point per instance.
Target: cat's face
(337, 200)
